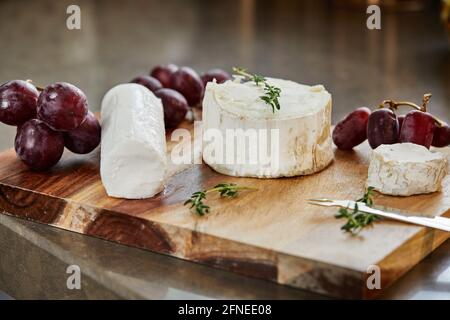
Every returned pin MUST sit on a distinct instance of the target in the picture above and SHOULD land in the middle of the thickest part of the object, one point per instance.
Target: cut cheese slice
(296, 138)
(405, 169)
(133, 147)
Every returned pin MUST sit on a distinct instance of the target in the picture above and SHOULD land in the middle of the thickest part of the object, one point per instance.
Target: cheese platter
(247, 215)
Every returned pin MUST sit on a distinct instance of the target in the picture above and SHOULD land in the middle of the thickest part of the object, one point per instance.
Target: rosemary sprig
(272, 93)
(357, 220)
(230, 190)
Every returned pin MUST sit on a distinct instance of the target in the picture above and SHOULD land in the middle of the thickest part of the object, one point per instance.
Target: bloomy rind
(133, 147)
(305, 141)
(405, 178)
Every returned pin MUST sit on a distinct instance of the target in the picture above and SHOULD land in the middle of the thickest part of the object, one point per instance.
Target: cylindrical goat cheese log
(294, 140)
(406, 169)
(133, 147)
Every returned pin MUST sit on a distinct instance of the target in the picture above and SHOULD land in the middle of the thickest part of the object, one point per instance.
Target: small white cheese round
(405, 169)
(301, 128)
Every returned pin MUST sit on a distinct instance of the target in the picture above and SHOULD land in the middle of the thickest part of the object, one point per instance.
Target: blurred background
(310, 42)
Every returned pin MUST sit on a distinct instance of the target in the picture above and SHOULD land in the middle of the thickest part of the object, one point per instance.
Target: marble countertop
(306, 41)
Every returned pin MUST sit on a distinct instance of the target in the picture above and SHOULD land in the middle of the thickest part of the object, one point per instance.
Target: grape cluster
(383, 126)
(48, 121)
(178, 88)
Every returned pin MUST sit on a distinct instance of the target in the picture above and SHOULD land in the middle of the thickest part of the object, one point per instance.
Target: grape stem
(426, 98)
(37, 87)
(393, 105)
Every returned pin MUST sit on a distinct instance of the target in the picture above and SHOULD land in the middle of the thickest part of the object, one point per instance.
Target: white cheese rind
(406, 169)
(303, 123)
(133, 148)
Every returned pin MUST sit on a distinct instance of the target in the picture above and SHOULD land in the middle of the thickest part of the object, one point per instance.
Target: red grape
(418, 127)
(149, 82)
(186, 81)
(352, 130)
(38, 146)
(86, 137)
(175, 106)
(18, 101)
(382, 128)
(62, 106)
(218, 74)
(441, 136)
(163, 73)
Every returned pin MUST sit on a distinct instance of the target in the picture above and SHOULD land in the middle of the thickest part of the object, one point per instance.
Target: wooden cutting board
(271, 233)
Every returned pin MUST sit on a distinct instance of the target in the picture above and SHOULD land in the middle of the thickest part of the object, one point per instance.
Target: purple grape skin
(38, 146)
(86, 137)
(62, 106)
(441, 136)
(352, 130)
(418, 127)
(149, 82)
(18, 100)
(220, 75)
(382, 128)
(187, 82)
(175, 107)
(163, 73)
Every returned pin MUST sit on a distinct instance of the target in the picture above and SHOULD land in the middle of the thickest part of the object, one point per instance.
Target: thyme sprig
(272, 93)
(357, 220)
(367, 197)
(229, 190)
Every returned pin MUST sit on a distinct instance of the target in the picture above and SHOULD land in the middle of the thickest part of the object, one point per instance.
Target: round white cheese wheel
(296, 138)
(405, 169)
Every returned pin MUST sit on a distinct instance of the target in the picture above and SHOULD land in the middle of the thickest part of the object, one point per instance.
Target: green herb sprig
(272, 93)
(229, 190)
(357, 220)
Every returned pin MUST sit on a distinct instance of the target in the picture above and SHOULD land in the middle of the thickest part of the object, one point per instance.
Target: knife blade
(437, 222)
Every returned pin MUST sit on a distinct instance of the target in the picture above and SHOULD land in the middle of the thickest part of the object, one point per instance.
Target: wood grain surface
(271, 233)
